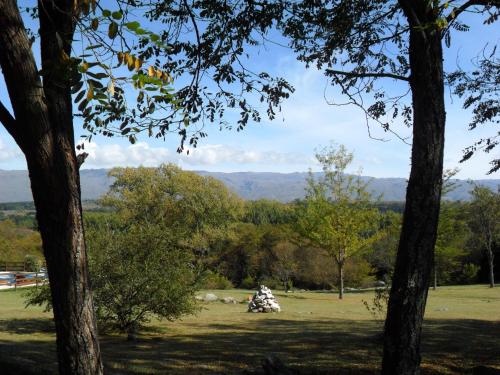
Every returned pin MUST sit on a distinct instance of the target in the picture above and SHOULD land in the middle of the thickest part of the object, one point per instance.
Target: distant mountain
(285, 187)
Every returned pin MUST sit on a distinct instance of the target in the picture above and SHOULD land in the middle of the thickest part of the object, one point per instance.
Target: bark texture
(419, 231)
(42, 126)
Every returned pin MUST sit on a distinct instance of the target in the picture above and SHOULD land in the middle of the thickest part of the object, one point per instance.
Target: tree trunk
(341, 280)
(42, 126)
(491, 265)
(419, 230)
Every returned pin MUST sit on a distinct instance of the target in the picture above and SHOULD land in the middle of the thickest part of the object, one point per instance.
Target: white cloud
(8, 153)
(141, 153)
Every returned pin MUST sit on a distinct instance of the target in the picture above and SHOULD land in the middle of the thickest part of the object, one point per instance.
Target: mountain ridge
(284, 187)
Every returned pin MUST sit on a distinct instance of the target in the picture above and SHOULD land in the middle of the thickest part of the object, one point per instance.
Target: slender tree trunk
(491, 265)
(419, 231)
(42, 126)
(341, 280)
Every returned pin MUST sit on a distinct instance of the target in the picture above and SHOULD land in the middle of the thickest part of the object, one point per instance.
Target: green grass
(315, 332)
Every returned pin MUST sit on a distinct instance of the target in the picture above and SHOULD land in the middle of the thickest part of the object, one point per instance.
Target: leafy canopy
(336, 214)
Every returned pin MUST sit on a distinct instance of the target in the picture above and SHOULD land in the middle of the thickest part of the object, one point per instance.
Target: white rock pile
(263, 301)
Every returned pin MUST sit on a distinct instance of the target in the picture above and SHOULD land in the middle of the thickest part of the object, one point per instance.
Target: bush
(33, 263)
(216, 281)
(469, 273)
(137, 272)
(271, 283)
(248, 283)
(358, 273)
(39, 296)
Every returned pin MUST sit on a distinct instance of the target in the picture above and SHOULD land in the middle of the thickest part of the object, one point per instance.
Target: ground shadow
(312, 347)
(27, 326)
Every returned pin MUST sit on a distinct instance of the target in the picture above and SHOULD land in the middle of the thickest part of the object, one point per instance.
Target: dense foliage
(18, 243)
(137, 272)
(231, 243)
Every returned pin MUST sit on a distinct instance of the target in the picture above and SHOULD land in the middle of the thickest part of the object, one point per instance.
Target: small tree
(336, 214)
(484, 222)
(137, 272)
(285, 264)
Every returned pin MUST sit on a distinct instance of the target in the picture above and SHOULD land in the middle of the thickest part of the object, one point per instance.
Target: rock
(442, 309)
(198, 298)
(228, 300)
(379, 284)
(263, 301)
(209, 297)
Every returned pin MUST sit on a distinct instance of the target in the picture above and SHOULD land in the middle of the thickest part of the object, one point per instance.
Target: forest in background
(248, 243)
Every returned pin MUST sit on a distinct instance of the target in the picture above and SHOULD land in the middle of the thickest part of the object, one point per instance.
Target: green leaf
(79, 96)
(76, 87)
(117, 15)
(154, 37)
(97, 75)
(96, 84)
(94, 46)
(106, 13)
(82, 105)
(134, 25)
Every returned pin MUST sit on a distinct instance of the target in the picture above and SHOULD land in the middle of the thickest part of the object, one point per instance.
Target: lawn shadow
(461, 343)
(27, 326)
(28, 357)
(312, 347)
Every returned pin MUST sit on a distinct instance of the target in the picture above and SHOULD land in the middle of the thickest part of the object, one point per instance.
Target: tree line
(338, 234)
(164, 233)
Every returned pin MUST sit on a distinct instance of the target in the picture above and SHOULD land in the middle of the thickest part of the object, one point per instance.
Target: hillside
(285, 187)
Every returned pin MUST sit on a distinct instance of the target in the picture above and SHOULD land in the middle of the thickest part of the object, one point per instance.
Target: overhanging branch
(7, 119)
(367, 75)
(462, 8)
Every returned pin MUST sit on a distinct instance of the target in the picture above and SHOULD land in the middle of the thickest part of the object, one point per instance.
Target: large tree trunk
(418, 235)
(42, 126)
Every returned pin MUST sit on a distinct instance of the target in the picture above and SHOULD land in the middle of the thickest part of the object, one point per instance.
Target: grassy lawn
(315, 332)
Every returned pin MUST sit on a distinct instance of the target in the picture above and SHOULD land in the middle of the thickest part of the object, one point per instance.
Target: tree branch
(364, 75)
(462, 8)
(7, 119)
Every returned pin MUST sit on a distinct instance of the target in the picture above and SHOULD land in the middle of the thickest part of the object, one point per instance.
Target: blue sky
(306, 123)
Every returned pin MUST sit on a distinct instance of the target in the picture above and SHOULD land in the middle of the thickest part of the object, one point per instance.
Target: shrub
(33, 263)
(469, 273)
(248, 283)
(216, 281)
(271, 283)
(137, 272)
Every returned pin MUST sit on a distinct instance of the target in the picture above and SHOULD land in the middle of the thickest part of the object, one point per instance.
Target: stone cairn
(263, 301)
